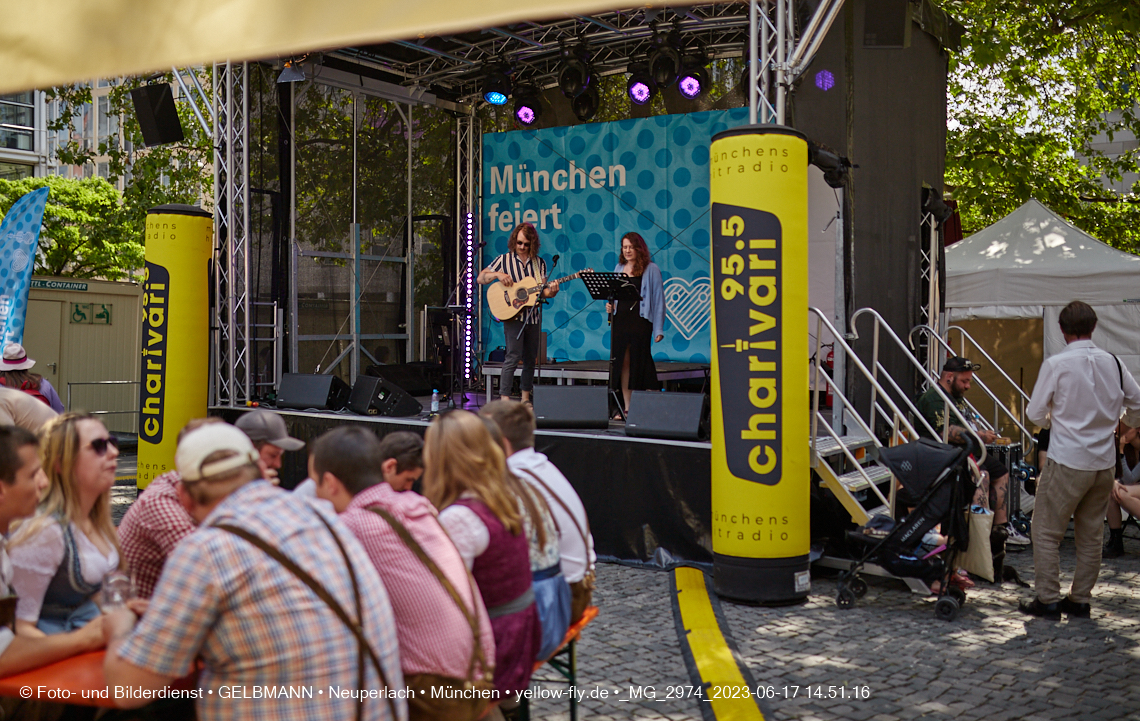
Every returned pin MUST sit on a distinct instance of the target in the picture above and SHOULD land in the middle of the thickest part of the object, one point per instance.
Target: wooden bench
(565, 661)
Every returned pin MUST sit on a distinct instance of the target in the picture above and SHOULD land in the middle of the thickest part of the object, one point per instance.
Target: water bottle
(435, 401)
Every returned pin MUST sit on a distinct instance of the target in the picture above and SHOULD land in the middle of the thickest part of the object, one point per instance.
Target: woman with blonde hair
(60, 555)
(465, 477)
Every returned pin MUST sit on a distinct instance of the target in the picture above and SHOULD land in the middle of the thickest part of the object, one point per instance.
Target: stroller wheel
(858, 587)
(845, 599)
(946, 608)
(958, 595)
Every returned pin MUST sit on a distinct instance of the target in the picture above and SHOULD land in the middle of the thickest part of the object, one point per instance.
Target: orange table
(75, 680)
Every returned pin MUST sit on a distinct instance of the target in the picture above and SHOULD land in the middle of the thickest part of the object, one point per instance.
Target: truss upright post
(468, 256)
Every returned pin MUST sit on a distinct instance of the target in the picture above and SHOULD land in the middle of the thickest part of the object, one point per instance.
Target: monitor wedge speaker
(672, 416)
(372, 396)
(312, 390)
(571, 406)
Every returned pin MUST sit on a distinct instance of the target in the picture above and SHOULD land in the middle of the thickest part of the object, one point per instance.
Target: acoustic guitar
(506, 303)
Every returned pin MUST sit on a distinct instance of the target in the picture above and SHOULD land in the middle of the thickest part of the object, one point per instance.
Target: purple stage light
(690, 86)
(639, 92)
(525, 114)
(824, 80)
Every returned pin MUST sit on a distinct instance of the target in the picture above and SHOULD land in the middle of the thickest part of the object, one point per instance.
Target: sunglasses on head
(99, 445)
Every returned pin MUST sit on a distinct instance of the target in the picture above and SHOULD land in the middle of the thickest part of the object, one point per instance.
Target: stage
(568, 372)
(648, 500)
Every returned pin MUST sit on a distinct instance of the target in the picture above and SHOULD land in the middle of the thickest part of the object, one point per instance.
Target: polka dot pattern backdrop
(19, 239)
(583, 187)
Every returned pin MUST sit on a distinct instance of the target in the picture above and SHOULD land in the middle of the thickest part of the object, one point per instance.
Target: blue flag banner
(583, 188)
(19, 239)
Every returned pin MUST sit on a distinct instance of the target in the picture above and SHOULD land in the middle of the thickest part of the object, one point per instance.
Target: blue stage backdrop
(584, 187)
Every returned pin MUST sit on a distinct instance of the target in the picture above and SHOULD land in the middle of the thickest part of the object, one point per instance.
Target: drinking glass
(117, 589)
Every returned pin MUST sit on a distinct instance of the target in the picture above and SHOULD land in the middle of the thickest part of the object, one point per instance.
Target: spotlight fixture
(586, 105)
(528, 105)
(292, 72)
(575, 76)
(496, 87)
(694, 80)
(665, 60)
(640, 86)
(824, 80)
(834, 166)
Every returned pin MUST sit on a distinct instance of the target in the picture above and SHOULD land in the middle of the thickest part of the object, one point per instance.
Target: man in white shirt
(516, 421)
(1079, 394)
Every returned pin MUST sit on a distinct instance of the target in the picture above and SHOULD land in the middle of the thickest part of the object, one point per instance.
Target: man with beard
(957, 374)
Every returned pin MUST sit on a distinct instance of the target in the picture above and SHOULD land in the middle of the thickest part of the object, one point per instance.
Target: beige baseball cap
(200, 443)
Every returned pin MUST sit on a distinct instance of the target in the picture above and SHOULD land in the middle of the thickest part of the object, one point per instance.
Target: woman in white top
(61, 555)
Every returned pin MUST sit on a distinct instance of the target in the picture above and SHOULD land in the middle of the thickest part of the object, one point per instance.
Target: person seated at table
(1127, 474)
(465, 478)
(551, 592)
(61, 555)
(270, 437)
(22, 480)
(444, 631)
(224, 597)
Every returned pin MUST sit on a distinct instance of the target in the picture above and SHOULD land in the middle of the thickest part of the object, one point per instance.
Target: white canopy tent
(1030, 264)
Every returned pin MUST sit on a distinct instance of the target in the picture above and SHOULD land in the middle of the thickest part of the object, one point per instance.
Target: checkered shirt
(258, 628)
(510, 264)
(434, 634)
(151, 528)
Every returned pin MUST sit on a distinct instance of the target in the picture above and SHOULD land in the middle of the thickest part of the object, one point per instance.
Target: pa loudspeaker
(372, 396)
(158, 118)
(571, 406)
(673, 416)
(308, 390)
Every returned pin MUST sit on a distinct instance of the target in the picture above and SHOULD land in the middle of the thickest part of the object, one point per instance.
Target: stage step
(845, 486)
(855, 481)
(862, 447)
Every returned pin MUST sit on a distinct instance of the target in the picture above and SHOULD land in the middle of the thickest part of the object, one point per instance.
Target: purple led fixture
(824, 80)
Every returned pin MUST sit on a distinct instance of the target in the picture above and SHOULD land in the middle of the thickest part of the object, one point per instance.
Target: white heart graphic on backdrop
(687, 304)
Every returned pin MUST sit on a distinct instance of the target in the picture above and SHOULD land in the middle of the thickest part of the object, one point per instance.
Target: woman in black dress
(636, 324)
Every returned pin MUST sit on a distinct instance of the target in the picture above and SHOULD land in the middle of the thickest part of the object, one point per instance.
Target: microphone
(480, 245)
(555, 259)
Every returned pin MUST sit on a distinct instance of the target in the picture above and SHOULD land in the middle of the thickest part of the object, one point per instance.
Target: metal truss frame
(929, 313)
(468, 181)
(231, 383)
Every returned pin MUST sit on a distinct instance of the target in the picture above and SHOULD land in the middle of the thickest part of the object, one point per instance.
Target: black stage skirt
(633, 333)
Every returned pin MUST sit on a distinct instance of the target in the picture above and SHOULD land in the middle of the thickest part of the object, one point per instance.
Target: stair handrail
(1027, 440)
(854, 461)
(881, 322)
(823, 322)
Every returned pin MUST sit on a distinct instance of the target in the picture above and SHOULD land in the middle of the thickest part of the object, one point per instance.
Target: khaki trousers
(1064, 493)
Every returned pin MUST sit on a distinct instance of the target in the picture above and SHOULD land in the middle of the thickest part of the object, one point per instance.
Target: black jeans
(522, 347)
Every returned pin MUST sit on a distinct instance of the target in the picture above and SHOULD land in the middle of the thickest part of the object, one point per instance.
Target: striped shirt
(510, 264)
(151, 528)
(261, 633)
(434, 634)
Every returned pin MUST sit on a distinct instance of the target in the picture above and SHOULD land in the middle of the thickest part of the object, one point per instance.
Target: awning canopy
(54, 42)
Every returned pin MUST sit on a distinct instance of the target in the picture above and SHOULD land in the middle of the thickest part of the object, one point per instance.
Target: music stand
(611, 287)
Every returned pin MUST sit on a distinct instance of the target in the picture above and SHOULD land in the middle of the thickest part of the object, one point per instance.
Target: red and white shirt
(151, 528)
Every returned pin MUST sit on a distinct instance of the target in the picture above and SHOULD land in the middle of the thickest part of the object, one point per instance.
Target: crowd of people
(351, 596)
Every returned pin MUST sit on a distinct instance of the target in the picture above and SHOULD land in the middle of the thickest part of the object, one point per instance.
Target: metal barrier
(134, 411)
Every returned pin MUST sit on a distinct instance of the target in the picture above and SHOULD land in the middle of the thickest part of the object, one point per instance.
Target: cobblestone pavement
(991, 662)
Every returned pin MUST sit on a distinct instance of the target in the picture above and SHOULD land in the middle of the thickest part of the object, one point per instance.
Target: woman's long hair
(59, 451)
(531, 235)
(16, 379)
(460, 456)
(640, 253)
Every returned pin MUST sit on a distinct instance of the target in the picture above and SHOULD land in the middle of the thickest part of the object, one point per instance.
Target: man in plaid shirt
(271, 647)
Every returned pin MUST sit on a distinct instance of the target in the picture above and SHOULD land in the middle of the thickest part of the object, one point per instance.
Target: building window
(14, 171)
(108, 123)
(18, 121)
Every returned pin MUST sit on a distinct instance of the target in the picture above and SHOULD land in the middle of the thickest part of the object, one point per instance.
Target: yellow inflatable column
(760, 466)
(175, 332)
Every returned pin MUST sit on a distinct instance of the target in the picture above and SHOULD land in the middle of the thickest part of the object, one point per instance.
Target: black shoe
(1036, 608)
(1073, 609)
(1113, 550)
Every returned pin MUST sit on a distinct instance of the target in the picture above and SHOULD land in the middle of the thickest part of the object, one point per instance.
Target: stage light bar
(640, 86)
(496, 87)
(469, 296)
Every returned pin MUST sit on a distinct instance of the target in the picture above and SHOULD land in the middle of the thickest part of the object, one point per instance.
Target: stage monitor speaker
(571, 406)
(373, 396)
(158, 117)
(311, 390)
(418, 379)
(673, 416)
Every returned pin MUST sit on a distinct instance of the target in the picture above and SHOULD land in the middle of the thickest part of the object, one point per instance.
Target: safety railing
(1000, 408)
(133, 411)
(881, 328)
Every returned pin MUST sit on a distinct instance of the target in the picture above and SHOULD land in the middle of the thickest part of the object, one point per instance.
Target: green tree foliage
(86, 233)
(174, 173)
(1034, 82)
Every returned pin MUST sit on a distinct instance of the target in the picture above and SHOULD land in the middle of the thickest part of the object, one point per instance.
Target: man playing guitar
(524, 331)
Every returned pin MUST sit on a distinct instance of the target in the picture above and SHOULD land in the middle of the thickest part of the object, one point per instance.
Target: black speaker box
(158, 118)
(372, 396)
(418, 379)
(673, 416)
(571, 406)
(310, 390)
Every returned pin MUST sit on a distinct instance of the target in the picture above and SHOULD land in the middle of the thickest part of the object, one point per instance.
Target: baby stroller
(939, 486)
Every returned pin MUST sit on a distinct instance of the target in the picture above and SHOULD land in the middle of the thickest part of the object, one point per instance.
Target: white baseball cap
(202, 442)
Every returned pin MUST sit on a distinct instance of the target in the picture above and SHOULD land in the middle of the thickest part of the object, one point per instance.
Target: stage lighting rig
(575, 76)
(497, 86)
(665, 60)
(640, 86)
(528, 105)
(835, 167)
(586, 105)
(694, 80)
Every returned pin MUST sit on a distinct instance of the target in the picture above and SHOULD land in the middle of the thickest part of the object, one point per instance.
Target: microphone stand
(542, 301)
